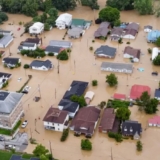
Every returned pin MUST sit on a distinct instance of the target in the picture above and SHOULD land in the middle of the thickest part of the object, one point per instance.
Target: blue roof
(153, 35)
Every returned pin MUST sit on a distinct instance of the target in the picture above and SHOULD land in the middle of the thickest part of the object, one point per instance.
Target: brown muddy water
(85, 70)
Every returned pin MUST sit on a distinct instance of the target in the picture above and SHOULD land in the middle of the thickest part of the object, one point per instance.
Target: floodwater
(86, 68)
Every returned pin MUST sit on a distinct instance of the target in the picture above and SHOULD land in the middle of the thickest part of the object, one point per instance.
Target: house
(4, 32)
(105, 51)
(116, 33)
(80, 23)
(154, 122)
(4, 77)
(119, 96)
(11, 62)
(157, 94)
(148, 28)
(56, 120)
(103, 30)
(11, 109)
(64, 21)
(130, 34)
(27, 46)
(75, 32)
(130, 52)
(38, 41)
(152, 36)
(2, 53)
(131, 128)
(137, 90)
(53, 49)
(62, 44)
(117, 67)
(69, 106)
(36, 28)
(5, 41)
(85, 121)
(155, 53)
(88, 97)
(133, 26)
(76, 88)
(108, 122)
(41, 65)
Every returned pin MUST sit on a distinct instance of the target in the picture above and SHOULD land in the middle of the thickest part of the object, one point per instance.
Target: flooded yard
(83, 66)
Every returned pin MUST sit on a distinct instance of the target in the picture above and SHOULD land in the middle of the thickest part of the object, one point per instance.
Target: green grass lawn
(4, 155)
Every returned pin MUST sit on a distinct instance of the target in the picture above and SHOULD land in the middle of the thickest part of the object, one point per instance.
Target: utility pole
(9, 52)
(58, 67)
(94, 15)
(50, 148)
(39, 90)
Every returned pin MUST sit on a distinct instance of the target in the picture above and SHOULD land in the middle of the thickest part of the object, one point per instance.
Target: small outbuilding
(89, 96)
(119, 96)
(155, 53)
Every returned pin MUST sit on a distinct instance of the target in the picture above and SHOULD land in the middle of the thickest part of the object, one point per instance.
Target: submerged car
(24, 124)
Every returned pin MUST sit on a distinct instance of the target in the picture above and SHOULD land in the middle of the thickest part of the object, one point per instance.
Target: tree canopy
(40, 150)
(3, 17)
(64, 5)
(86, 144)
(156, 61)
(139, 146)
(109, 14)
(91, 3)
(79, 99)
(144, 6)
(111, 80)
(121, 4)
(123, 113)
(158, 42)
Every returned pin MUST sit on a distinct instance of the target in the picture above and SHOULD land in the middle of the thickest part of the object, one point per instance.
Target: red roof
(119, 96)
(137, 90)
(154, 120)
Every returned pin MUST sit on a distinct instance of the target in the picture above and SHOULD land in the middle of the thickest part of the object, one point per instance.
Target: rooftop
(119, 96)
(133, 52)
(8, 101)
(38, 63)
(2, 74)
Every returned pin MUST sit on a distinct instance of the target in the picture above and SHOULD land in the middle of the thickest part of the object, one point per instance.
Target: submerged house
(36, 28)
(4, 77)
(11, 62)
(75, 32)
(80, 23)
(152, 36)
(5, 41)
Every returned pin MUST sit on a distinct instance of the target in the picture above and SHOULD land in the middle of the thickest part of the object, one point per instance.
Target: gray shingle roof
(106, 50)
(65, 44)
(8, 101)
(75, 31)
(38, 63)
(10, 60)
(157, 93)
(6, 39)
(53, 49)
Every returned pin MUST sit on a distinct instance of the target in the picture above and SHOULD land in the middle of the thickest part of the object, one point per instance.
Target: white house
(4, 77)
(27, 46)
(148, 28)
(130, 52)
(56, 120)
(41, 65)
(36, 28)
(64, 20)
(154, 122)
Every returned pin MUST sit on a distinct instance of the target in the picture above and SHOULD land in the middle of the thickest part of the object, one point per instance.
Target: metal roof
(6, 39)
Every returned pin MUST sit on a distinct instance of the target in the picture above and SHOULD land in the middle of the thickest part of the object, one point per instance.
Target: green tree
(46, 27)
(158, 42)
(152, 106)
(30, 8)
(121, 4)
(63, 55)
(145, 98)
(156, 61)
(94, 83)
(123, 113)
(79, 99)
(64, 5)
(139, 146)
(112, 80)
(86, 144)
(109, 14)
(48, 4)
(3, 16)
(144, 7)
(53, 12)
(44, 157)
(40, 150)
(117, 22)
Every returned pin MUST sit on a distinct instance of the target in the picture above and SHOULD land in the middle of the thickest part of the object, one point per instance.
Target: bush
(128, 43)
(64, 135)
(63, 55)
(68, 50)
(117, 104)
(93, 41)
(5, 84)
(26, 66)
(94, 83)
(102, 104)
(51, 54)
(149, 50)
(79, 99)
(116, 136)
(139, 146)
(46, 27)
(86, 145)
(91, 48)
(20, 23)
(120, 41)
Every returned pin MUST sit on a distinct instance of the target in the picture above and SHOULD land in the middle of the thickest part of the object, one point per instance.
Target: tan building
(10, 109)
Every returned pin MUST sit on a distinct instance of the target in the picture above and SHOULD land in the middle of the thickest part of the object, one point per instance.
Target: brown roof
(85, 118)
(55, 115)
(117, 31)
(131, 51)
(107, 120)
(133, 26)
(131, 31)
(104, 25)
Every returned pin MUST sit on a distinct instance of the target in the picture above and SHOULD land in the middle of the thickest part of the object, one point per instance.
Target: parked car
(2, 138)
(26, 90)
(10, 146)
(24, 124)
(155, 73)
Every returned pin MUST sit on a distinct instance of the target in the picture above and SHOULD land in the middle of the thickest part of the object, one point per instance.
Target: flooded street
(86, 68)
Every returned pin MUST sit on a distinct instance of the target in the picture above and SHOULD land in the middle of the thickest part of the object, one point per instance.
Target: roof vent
(125, 128)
